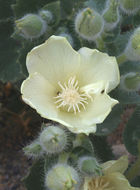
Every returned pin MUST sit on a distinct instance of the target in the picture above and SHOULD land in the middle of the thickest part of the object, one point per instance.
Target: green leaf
(131, 134)
(136, 182)
(5, 9)
(9, 69)
(35, 178)
(111, 122)
(21, 7)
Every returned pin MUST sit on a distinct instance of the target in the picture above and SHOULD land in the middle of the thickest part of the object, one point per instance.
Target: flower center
(99, 183)
(71, 97)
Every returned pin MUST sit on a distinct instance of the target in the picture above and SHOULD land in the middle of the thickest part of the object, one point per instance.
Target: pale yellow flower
(112, 179)
(70, 87)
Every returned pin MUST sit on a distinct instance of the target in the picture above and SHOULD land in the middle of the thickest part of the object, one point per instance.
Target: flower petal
(119, 165)
(119, 182)
(85, 121)
(38, 93)
(98, 66)
(55, 60)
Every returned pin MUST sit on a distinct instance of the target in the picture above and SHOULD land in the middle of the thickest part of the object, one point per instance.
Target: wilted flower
(113, 178)
(70, 87)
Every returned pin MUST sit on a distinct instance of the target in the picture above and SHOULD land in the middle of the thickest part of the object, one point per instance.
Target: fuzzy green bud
(111, 15)
(130, 7)
(62, 177)
(47, 16)
(33, 150)
(89, 166)
(132, 51)
(89, 24)
(53, 139)
(130, 82)
(31, 26)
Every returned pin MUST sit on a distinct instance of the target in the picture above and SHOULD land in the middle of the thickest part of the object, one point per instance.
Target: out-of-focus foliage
(14, 48)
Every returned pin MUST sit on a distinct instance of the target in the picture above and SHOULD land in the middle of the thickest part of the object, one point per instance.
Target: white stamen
(99, 183)
(70, 97)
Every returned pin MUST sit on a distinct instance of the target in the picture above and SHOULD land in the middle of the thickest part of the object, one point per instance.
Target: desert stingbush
(74, 81)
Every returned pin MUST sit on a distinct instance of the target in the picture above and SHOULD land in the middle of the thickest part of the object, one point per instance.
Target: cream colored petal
(119, 182)
(55, 60)
(98, 66)
(85, 121)
(94, 88)
(119, 165)
(38, 93)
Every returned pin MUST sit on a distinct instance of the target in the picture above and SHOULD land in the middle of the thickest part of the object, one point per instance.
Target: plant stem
(63, 158)
(100, 44)
(121, 58)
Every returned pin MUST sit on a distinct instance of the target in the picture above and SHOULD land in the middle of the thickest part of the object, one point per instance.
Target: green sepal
(54, 8)
(131, 135)
(35, 179)
(111, 122)
(122, 95)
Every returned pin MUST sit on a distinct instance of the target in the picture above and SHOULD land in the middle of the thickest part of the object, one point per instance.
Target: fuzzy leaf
(131, 134)
(9, 69)
(111, 122)
(35, 178)
(21, 7)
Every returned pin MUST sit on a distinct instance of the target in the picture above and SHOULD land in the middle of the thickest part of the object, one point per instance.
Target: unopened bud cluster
(52, 140)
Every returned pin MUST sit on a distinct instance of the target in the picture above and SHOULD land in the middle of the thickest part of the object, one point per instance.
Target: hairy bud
(53, 139)
(89, 24)
(89, 166)
(31, 26)
(130, 6)
(33, 150)
(62, 177)
(132, 51)
(111, 15)
(130, 82)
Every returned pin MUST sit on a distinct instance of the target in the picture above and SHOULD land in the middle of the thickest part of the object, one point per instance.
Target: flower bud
(53, 139)
(132, 51)
(33, 150)
(89, 166)
(130, 6)
(31, 26)
(130, 82)
(62, 177)
(47, 16)
(89, 24)
(111, 15)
